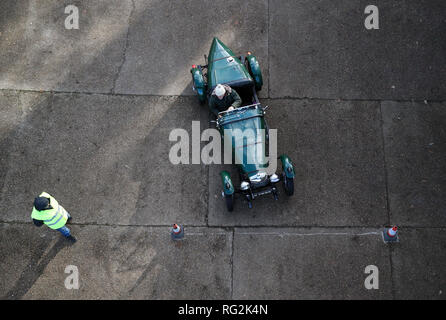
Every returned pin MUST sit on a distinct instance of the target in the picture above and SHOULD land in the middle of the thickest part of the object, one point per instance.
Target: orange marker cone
(177, 232)
(390, 235)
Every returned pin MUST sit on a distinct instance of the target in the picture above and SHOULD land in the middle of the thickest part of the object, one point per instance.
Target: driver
(224, 98)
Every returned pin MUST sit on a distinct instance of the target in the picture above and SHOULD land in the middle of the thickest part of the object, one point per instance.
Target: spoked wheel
(275, 195)
(199, 84)
(229, 202)
(288, 185)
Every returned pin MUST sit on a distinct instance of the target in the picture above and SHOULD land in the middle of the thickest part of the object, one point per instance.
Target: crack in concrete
(192, 96)
(386, 176)
(392, 280)
(232, 263)
(310, 234)
(124, 53)
(267, 46)
(229, 228)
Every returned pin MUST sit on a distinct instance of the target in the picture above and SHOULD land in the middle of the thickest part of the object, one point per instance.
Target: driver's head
(220, 91)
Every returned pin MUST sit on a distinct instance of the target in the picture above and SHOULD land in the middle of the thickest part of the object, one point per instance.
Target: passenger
(224, 98)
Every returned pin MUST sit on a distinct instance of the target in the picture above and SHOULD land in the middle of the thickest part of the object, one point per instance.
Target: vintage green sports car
(243, 74)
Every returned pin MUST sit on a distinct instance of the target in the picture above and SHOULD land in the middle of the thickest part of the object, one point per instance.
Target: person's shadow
(34, 269)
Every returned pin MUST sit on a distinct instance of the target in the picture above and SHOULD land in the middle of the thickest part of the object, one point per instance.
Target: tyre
(199, 83)
(288, 185)
(254, 70)
(229, 202)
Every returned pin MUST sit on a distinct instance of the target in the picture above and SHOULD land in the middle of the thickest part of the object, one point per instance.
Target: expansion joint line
(124, 53)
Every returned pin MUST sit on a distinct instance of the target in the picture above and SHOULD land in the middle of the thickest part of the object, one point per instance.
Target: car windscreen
(247, 138)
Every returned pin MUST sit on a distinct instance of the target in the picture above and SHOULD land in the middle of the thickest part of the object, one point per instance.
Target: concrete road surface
(86, 115)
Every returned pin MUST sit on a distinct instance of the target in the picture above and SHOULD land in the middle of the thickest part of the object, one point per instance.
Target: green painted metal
(199, 84)
(243, 129)
(256, 73)
(287, 166)
(228, 187)
(223, 66)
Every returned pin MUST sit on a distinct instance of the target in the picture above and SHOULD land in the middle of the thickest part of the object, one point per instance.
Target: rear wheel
(288, 185)
(229, 202)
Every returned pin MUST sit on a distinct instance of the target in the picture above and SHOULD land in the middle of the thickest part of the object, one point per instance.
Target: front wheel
(288, 185)
(229, 202)
(254, 70)
(199, 83)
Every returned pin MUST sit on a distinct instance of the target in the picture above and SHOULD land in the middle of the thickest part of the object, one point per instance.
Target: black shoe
(72, 239)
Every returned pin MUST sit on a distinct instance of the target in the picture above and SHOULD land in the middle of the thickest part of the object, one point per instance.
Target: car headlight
(244, 185)
(274, 178)
(259, 177)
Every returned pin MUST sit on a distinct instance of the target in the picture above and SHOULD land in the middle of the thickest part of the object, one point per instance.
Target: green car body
(224, 66)
(244, 128)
